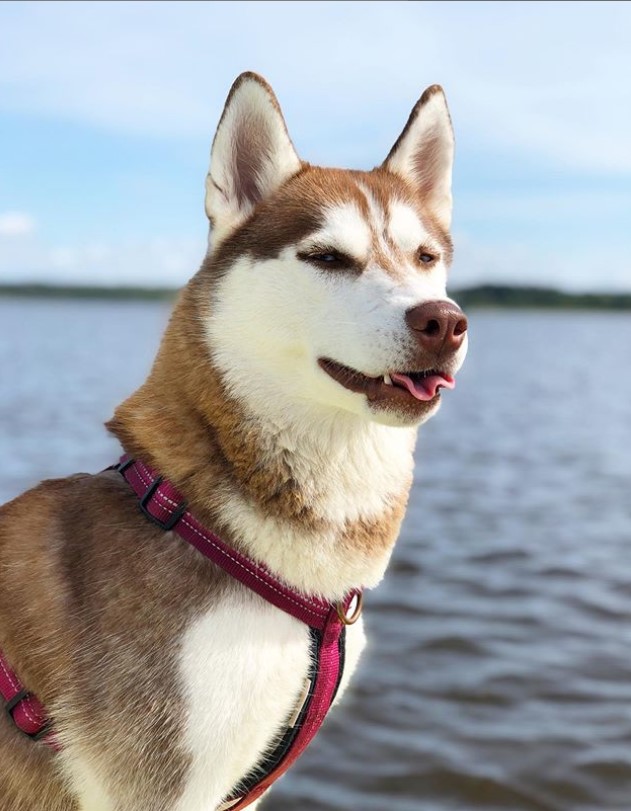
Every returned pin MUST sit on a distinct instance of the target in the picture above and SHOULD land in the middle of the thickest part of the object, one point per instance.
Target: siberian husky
(283, 405)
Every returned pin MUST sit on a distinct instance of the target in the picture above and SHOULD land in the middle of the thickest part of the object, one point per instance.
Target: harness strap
(329, 670)
(23, 708)
(162, 503)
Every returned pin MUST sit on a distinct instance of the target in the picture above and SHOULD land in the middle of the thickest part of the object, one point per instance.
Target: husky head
(327, 286)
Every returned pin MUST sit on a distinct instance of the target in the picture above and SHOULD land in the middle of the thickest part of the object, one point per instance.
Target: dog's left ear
(252, 154)
(424, 153)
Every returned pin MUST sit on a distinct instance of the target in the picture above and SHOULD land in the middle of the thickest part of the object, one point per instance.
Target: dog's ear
(252, 154)
(424, 153)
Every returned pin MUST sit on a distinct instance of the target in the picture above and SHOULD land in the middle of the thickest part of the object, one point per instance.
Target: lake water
(498, 674)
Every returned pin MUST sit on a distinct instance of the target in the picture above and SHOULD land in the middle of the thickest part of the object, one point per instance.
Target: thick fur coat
(284, 404)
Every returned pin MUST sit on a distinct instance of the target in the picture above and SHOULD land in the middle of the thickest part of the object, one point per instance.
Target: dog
(283, 405)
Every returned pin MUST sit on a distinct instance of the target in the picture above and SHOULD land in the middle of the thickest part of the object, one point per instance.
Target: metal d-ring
(351, 619)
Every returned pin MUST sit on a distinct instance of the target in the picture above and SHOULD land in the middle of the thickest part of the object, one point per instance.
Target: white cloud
(157, 262)
(16, 224)
(582, 268)
(549, 78)
(170, 262)
(541, 84)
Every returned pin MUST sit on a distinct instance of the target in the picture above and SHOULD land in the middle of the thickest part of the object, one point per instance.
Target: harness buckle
(36, 736)
(10, 705)
(167, 523)
(121, 467)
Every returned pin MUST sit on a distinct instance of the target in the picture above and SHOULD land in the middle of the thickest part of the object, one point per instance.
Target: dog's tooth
(387, 380)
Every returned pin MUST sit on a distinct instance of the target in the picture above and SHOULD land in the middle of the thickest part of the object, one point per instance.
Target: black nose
(437, 325)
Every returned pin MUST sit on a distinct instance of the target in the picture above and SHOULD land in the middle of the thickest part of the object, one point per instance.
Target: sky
(108, 109)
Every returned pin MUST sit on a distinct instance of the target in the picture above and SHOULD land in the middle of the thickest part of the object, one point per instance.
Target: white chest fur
(352, 471)
(243, 666)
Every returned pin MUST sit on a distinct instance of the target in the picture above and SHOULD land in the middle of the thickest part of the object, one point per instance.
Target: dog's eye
(426, 258)
(328, 258)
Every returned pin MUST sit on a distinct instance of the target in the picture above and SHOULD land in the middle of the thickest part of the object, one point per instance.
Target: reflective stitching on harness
(327, 666)
(307, 606)
(329, 658)
(26, 705)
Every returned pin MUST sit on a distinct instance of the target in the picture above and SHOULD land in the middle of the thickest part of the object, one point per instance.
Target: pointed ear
(251, 156)
(424, 153)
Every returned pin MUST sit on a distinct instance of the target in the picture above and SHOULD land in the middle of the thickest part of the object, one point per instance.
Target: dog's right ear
(252, 154)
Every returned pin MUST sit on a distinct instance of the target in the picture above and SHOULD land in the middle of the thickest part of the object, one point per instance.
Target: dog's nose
(437, 325)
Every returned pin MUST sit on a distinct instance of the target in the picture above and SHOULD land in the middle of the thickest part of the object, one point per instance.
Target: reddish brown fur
(93, 598)
(297, 209)
(100, 589)
(87, 583)
(202, 439)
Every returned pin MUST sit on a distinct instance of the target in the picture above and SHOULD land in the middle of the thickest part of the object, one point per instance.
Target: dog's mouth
(392, 387)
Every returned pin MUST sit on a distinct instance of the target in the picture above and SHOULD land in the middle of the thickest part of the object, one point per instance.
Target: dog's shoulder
(50, 499)
(41, 522)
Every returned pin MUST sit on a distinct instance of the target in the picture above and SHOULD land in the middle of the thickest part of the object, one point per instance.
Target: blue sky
(107, 111)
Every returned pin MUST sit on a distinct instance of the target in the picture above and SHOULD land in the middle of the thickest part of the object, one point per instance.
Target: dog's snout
(437, 325)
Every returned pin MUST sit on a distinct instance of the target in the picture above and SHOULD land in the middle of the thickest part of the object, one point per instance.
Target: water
(498, 674)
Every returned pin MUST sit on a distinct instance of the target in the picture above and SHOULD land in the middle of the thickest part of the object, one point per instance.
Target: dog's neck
(321, 507)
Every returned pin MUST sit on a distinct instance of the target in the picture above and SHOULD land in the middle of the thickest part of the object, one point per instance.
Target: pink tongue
(424, 388)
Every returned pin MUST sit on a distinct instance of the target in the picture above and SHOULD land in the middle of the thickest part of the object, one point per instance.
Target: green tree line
(484, 295)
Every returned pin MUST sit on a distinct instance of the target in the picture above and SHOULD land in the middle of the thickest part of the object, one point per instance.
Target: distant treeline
(485, 295)
(73, 291)
(499, 295)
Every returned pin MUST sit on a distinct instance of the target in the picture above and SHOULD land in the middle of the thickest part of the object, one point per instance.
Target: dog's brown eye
(426, 258)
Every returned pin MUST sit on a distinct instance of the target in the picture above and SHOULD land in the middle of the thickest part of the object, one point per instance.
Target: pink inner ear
(252, 154)
(249, 155)
(430, 164)
(423, 154)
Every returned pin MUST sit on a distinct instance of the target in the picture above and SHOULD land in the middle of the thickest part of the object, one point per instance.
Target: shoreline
(480, 296)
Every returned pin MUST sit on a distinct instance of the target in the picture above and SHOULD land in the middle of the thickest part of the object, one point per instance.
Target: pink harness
(163, 505)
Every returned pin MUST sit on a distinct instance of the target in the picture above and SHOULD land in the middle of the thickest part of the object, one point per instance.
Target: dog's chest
(243, 667)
